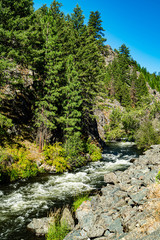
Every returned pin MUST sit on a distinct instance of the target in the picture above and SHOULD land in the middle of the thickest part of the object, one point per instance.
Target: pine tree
(95, 27)
(141, 88)
(78, 19)
(72, 100)
(36, 40)
(123, 62)
(15, 17)
(133, 88)
(90, 67)
(47, 111)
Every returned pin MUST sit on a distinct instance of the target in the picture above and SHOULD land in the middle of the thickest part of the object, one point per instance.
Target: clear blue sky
(133, 22)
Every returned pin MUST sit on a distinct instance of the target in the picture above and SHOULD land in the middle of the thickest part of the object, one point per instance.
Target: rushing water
(24, 200)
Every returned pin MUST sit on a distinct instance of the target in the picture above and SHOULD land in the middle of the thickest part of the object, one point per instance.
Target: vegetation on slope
(52, 68)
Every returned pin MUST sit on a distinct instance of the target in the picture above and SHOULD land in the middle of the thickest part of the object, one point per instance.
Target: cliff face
(102, 113)
(110, 56)
(17, 97)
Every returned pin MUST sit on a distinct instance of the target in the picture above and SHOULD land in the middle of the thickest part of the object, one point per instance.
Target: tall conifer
(95, 27)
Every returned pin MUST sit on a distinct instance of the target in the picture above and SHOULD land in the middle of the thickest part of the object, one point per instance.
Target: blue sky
(133, 22)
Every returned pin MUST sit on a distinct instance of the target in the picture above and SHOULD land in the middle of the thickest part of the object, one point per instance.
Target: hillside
(62, 88)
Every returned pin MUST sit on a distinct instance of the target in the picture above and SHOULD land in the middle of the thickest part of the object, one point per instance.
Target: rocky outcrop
(110, 55)
(122, 211)
(102, 113)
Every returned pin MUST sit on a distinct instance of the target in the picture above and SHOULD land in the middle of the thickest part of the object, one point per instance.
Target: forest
(52, 73)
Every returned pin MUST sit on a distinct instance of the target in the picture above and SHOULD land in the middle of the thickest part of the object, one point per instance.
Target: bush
(146, 135)
(55, 155)
(130, 124)
(58, 231)
(115, 118)
(94, 151)
(115, 134)
(74, 147)
(16, 163)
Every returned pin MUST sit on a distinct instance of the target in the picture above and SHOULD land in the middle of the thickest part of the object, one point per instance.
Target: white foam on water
(23, 200)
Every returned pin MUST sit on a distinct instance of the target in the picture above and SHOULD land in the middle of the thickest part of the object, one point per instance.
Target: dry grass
(153, 206)
(34, 152)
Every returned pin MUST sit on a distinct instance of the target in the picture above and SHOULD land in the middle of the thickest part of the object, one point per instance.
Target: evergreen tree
(78, 19)
(91, 73)
(141, 88)
(123, 62)
(36, 35)
(72, 100)
(47, 111)
(133, 88)
(15, 17)
(95, 27)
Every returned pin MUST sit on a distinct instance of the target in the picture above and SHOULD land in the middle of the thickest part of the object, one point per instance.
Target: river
(37, 197)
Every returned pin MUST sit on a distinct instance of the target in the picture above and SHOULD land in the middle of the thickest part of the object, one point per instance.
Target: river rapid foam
(23, 200)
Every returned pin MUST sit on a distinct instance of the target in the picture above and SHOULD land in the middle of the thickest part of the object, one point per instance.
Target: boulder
(67, 218)
(110, 178)
(40, 226)
(85, 216)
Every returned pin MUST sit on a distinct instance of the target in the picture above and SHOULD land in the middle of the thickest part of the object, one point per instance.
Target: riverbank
(127, 207)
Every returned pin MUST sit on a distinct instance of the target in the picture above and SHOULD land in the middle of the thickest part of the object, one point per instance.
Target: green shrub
(5, 124)
(146, 135)
(115, 134)
(115, 118)
(74, 147)
(55, 155)
(58, 231)
(94, 151)
(79, 200)
(158, 177)
(17, 163)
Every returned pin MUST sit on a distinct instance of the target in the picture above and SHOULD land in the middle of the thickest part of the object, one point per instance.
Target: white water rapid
(24, 200)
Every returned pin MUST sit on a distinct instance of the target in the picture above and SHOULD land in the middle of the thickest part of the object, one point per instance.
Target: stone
(140, 196)
(67, 218)
(153, 236)
(76, 235)
(105, 220)
(96, 231)
(85, 216)
(40, 226)
(110, 178)
(116, 226)
(120, 213)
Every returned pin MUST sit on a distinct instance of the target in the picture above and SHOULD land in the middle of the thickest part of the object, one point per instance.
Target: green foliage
(74, 147)
(158, 177)
(130, 122)
(71, 115)
(95, 28)
(57, 231)
(115, 118)
(94, 151)
(79, 200)
(155, 109)
(17, 163)
(77, 18)
(146, 135)
(114, 134)
(124, 83)
(5, 125)
(55, 155)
